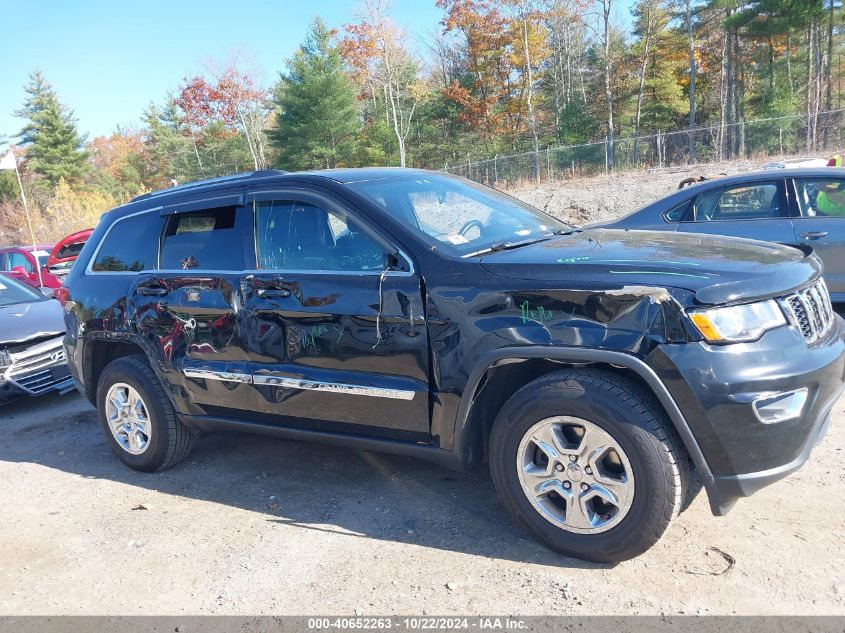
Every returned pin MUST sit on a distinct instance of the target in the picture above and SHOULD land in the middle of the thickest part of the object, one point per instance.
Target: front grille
(42, 381)
(810, 310)
(39, 368)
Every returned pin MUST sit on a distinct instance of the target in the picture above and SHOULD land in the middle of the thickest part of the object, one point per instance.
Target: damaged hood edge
(22, 322)
(716, 270)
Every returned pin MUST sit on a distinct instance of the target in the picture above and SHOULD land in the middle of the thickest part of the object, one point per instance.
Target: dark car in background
(800, 207)
(423, 314)
(23, 263)
(32, 359)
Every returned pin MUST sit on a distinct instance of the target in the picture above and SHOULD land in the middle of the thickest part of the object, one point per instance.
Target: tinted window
(70, 250)
(821, 197)
(679, 213)
(16, 258)
(206, 240)
(131, 245)
(296, 235)
(741, 202)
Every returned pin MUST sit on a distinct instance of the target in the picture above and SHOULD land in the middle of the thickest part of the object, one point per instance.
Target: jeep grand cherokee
(417, 313)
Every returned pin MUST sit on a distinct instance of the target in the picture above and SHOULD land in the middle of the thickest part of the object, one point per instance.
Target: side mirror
(20, 270)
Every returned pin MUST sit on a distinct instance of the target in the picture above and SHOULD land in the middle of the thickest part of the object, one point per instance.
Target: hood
(717, 269)
(21, 322)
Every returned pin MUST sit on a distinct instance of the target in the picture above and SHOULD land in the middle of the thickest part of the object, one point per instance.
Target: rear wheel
(586, 461)
(137, 418)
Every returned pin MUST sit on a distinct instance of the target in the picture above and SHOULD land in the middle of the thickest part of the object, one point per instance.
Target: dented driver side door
(333, 321)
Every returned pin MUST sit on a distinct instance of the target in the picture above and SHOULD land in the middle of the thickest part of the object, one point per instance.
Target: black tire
(170, 441)
(633, 419)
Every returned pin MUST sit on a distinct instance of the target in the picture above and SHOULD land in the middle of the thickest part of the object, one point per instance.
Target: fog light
(780, 407)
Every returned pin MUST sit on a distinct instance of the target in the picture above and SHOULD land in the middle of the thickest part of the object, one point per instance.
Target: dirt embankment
(586, 200)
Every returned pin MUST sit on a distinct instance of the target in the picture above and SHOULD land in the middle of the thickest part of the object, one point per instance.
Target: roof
(361, 174)
(28, 248)
(770, 174)
(210, 183)
(349, 175)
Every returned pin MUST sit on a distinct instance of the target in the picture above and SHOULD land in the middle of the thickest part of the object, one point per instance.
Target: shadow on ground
(314, 487)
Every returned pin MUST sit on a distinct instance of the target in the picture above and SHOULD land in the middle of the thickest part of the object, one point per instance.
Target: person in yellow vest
(831, 197)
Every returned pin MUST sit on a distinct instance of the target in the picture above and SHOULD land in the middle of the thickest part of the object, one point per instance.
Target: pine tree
(317, 117)
(54, 147)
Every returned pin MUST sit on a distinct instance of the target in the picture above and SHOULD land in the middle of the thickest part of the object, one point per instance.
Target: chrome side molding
(210, 374)
(299, 383)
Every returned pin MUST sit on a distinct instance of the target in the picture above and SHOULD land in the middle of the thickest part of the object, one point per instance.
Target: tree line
(495, 77)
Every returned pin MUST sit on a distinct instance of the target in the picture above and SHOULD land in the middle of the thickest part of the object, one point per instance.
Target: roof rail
(200, 184)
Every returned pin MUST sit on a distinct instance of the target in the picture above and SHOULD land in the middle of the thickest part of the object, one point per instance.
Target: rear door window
(204, 240)
(130, 246)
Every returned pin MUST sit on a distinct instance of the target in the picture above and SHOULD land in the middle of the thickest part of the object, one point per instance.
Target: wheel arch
(477, 410)
(98, 352)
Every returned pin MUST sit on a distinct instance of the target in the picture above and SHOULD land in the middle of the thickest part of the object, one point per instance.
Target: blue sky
(109, 59)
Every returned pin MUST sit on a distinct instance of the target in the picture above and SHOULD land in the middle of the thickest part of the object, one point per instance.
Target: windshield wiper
(569, 231)
(504, 246)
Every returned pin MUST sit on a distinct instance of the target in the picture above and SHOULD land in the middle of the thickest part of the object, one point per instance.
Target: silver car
(799, 207)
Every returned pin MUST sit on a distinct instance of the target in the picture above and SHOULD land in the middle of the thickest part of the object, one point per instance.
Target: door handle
(813, 235)
(152, 290)
(273, 292)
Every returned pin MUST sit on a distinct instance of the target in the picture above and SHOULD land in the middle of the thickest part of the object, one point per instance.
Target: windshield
(12, 292)
(466, 216)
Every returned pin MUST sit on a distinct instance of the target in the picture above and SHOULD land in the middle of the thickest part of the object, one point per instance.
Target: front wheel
(586, 461)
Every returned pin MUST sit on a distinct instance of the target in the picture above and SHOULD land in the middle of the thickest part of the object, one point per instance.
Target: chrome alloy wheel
(128, 419)
(575, 474)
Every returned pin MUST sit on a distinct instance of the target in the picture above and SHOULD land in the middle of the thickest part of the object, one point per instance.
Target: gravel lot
(256, 525)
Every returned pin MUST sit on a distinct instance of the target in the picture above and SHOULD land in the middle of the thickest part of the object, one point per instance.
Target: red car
(23, 263)
(66, 251)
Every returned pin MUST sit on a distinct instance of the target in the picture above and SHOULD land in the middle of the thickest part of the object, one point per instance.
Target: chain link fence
(779, 136)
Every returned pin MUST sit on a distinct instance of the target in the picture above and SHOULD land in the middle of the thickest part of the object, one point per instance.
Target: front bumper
(35, 370)
(715, 388)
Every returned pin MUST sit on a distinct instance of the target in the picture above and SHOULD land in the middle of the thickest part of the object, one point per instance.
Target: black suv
(418, 313)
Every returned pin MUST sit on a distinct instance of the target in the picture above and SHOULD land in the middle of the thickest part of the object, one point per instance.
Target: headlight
(735, 324)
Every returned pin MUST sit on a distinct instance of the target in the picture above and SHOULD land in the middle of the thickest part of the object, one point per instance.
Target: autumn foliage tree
(384, 69)
(506, 50)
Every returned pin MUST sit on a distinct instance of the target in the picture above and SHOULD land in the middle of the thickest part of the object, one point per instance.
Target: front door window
(300, 236)
(755, 201)
(16, 259)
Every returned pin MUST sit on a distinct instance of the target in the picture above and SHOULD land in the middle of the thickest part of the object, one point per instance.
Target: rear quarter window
(130, 245)
(680, 213)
